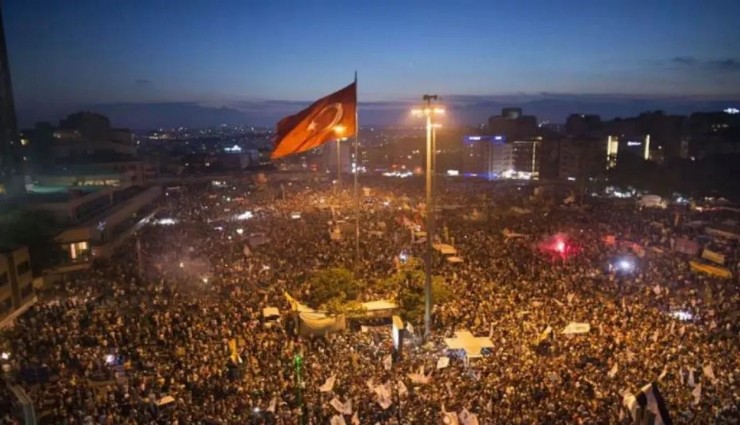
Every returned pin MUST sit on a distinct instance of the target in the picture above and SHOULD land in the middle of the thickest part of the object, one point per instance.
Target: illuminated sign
(634, 143)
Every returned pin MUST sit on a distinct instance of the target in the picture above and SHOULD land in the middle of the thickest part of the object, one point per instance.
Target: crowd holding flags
(647, 406)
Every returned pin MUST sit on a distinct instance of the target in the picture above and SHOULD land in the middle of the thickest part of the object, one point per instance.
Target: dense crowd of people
(169, 330)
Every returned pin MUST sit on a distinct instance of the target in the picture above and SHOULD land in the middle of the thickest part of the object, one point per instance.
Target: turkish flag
(329, 118)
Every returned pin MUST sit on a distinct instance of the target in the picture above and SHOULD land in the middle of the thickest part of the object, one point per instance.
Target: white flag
(663, 373)
(383, 390)
(697, 394)
(337, 420)
(273, 404)
(418, 379)
(709, 373)
(449, 418)
(443, 362)
(328, 385)
(343, 408)
(388, 362)
(355, 419)
(570, 297)
(410, 328)
(467, 418)
(402, 390)
(613, 370)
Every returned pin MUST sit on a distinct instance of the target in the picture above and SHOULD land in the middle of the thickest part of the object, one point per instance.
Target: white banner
(328, 384)
(443, 362)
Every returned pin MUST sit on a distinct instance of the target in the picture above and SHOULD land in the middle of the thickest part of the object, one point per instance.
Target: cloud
(722, 65)
(730, 64)
(684, 60)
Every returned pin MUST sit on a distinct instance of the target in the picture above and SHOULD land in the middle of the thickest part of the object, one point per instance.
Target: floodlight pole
(430, 217)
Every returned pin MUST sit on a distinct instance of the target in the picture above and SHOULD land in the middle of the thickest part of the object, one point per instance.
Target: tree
(408, 288)
(334, 290)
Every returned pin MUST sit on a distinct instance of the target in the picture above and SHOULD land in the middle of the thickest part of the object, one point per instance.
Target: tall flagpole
(357, 188)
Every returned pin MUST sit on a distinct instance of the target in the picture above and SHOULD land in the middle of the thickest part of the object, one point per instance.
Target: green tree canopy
(333, 289)
(408, 288)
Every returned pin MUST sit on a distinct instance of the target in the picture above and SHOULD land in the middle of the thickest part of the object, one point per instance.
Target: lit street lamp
(429, 110)
(339, 130)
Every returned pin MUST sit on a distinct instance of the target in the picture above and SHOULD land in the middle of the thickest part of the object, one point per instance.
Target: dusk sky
(267, 58)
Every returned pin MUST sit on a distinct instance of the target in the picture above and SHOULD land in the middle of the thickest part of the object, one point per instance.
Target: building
(583, 158)
(11, 181)
(492, 157)
(583, 125)
(526, 159)
(512, 124)
(88, 137)
(489, 157)
(88, 175)
(712, 133)
(16, 283)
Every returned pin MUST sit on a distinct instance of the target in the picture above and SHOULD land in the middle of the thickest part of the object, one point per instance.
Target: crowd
(144, 337)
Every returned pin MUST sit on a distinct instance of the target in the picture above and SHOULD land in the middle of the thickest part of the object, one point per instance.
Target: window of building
(6, 306)
(79, 250)
(26, 291)
(23, 268)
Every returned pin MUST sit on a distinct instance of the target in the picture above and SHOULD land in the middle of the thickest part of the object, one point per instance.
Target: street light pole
(428, 111)
(339, 165)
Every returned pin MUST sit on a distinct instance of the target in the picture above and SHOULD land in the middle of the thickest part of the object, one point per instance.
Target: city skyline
(254, 63)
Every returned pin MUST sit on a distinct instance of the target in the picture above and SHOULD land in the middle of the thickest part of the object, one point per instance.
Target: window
(23, 268)
(6, 306)
(4, 279)
(26, 291)
(79, 250)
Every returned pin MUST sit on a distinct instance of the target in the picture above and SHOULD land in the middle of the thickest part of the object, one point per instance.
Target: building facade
(16, 283)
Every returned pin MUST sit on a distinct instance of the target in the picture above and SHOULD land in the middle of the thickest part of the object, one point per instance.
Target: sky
(258, 60)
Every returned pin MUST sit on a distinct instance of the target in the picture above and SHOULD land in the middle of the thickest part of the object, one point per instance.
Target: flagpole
(357, 191)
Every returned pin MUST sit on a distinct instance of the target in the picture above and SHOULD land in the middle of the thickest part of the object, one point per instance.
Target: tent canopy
(454, 260)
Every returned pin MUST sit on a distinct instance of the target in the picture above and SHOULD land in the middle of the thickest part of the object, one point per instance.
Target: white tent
(319, 324)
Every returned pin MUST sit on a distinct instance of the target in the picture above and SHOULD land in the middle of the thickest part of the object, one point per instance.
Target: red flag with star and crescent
(329, 118)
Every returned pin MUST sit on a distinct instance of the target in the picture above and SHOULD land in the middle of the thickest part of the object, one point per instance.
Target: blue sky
(65, 53)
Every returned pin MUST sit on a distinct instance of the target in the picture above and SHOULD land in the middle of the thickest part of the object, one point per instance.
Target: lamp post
(339, 130)
(429, 110)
